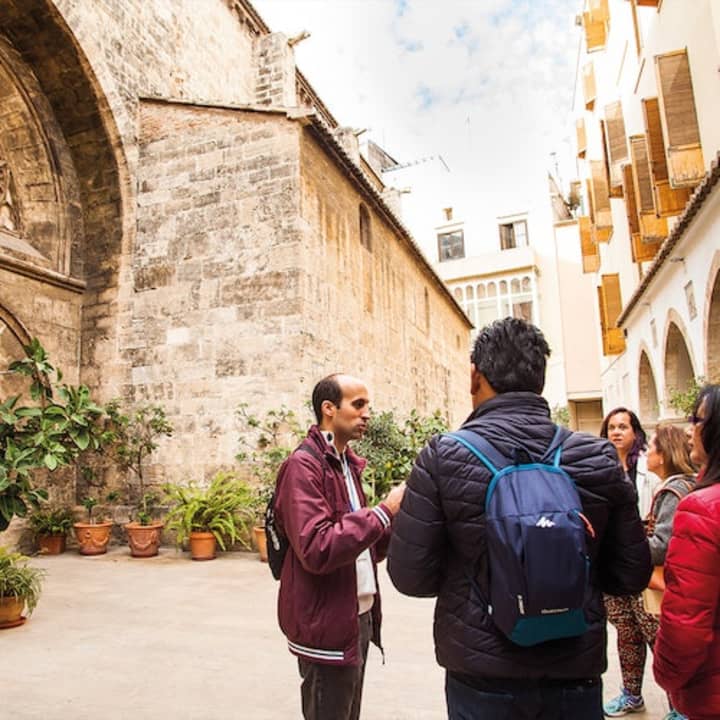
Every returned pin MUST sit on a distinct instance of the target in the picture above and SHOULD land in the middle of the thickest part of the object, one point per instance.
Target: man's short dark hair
(512, 355)
(327, 389)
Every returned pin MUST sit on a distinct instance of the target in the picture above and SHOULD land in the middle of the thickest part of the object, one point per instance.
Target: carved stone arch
(679, 368)
(40, 221)
(648, 400)
(13, 336)
(66, 61)
(712, 322)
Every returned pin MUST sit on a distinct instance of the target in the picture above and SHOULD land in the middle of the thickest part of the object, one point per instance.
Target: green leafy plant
(51, 520)
(390, 448)
(265, 443)
(137, 436)
(18, 579)
(224, 508)
(560, 415)
(63, 424)
(684, 400)
(89, 503)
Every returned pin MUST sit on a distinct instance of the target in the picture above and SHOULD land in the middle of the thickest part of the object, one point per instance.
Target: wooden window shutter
(616, 143)
(631, 207)
(677, 105)
(610, 308)
(581, 137)
(653, 229)
(595, 32)
(647, 3)
(591, 208)
(599, 10)
(600, 194)
(668, 201)
(588, 246)
(589, 89)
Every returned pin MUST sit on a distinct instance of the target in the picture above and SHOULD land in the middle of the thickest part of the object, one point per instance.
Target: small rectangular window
(451, 245)
(513, 235)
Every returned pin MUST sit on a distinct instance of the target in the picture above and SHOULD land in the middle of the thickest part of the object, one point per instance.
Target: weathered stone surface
(218, 243)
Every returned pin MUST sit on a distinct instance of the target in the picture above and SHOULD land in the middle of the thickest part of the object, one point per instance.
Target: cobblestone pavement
(116, 638)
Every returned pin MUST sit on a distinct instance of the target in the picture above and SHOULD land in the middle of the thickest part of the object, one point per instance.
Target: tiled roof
(326, 136)
(695, 204)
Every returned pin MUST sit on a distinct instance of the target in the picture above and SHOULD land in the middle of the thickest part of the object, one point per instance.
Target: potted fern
(20, 586)
(51, 525)
(220, 514)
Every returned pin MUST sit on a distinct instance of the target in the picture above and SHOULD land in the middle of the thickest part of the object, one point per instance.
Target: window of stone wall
(365, 227)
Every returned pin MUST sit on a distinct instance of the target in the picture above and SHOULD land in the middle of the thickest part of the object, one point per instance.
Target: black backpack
(277, 542)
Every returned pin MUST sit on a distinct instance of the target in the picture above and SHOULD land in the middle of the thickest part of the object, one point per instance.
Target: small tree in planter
(20, 586)
(51, 525)
(265, 443)
(137, 437)
(94, 535)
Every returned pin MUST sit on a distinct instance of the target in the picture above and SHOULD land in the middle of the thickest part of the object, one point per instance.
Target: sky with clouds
(486, 84)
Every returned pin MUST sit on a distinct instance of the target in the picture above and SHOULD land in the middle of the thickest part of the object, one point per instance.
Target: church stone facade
(183, 221)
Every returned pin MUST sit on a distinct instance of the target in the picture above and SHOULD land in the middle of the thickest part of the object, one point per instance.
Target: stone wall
(375, 311)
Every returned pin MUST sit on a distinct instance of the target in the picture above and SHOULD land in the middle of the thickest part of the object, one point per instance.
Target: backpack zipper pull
(521, 604)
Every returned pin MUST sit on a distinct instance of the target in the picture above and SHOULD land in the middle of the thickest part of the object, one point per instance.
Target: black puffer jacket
(439, 539)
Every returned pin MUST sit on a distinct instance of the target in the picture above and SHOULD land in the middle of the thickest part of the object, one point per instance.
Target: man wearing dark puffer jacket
(438, 547)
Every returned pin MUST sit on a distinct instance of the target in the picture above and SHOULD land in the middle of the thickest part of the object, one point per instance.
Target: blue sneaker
(624, 704)
(675, 715)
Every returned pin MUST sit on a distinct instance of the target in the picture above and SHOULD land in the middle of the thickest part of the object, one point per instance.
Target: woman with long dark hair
(687, 650)
(635, 629)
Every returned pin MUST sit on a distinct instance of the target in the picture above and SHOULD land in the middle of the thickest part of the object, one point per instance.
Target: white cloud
(487, 84)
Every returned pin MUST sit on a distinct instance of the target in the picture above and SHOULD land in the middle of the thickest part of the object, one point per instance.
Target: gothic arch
(67, 84)
(649, 405)
(13, 335)
(712, 323)
(678, 364)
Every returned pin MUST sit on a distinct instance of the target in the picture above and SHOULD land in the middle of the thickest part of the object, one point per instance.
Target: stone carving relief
(9, 219)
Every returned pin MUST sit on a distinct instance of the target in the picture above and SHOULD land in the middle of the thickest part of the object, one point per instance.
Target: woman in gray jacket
(668, 456)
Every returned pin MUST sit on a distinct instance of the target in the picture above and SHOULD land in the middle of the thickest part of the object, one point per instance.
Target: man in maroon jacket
(329, 604)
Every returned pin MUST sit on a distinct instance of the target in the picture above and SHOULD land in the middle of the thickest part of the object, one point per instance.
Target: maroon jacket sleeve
(690, 603)
(324, 537)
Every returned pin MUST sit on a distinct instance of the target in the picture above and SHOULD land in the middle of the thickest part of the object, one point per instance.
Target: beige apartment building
(531, 269)
(646, 106)
(183, 221)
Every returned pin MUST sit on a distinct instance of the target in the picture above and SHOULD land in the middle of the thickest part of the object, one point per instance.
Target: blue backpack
(536, 541)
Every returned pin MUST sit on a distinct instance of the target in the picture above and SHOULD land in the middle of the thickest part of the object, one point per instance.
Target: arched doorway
(713, 334)
(679, 371)
(647, 389)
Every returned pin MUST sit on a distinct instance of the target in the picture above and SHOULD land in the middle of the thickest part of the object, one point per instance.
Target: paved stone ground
(116, 638)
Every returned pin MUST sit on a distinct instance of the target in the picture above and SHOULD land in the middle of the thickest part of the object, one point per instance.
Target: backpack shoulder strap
(554, 449)
(493, 460)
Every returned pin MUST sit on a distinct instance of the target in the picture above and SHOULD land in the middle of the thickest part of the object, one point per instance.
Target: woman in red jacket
(687, 650)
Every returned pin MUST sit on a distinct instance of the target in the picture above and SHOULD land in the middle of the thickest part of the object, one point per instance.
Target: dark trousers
(330, 692)
(535, 701)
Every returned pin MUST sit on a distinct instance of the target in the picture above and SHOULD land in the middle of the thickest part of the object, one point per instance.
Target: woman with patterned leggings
(668, 457)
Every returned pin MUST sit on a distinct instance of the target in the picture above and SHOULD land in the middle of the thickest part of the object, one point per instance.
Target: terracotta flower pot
(144, 540)
(11, 611)
(202, 546)
(51, 544)
(93, 537)
(261, 542)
